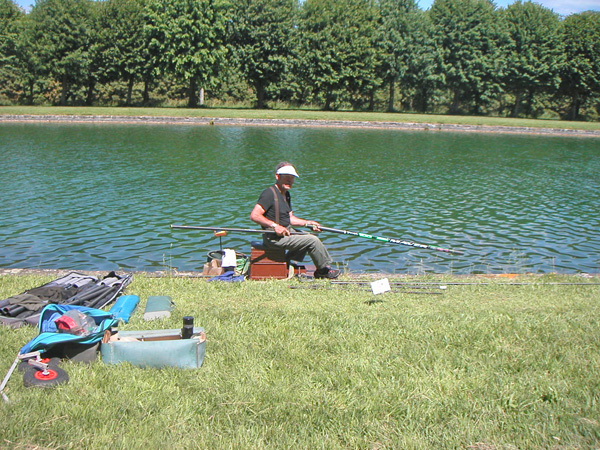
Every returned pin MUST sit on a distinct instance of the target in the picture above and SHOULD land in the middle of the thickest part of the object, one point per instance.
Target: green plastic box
(156, 348)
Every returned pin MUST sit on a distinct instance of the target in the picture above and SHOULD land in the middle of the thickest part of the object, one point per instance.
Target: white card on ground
(380, 286)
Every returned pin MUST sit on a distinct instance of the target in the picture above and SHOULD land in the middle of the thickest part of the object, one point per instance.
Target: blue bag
(50, 337)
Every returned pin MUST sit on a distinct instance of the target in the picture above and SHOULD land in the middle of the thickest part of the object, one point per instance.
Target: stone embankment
(412, 126)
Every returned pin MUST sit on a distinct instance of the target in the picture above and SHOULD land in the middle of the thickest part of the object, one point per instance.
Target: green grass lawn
(484, 366)
(302, 114)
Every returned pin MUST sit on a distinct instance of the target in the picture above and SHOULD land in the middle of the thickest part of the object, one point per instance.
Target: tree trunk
(146, 93)
(575, 105)
(421, 100)
(192, 94)
(514, 112)
(455, 106)
(529, 104)
(129, 90)
(371, 106)
(328, 99)
(260, 94)
(392, 94)
(64, 93)
(31, 86)
(477, 105)
(89, 98)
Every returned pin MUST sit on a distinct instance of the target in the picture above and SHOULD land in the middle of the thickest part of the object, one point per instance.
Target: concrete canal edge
(592, 278)
(411, 126)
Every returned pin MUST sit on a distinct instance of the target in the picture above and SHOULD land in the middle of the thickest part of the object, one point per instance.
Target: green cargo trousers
(298, 245)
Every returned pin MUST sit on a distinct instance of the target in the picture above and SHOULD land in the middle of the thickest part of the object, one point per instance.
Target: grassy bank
(242, 113)
(476, 366)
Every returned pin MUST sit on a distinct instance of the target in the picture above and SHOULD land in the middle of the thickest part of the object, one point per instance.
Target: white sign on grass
(380, 286)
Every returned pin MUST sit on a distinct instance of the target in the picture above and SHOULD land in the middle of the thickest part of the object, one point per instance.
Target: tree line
(458, 57)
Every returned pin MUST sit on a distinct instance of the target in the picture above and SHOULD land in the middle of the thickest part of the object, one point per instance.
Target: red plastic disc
(50, 375)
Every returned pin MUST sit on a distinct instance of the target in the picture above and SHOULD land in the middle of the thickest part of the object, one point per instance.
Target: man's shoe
(326, 272)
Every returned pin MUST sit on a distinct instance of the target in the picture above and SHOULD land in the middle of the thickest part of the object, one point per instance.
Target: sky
(563, 7)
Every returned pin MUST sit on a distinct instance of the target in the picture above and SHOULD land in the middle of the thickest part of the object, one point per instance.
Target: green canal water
(102, 197)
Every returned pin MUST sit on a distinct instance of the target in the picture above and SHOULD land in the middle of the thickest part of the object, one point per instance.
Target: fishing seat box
(155, 348)
(267, 263)
(272, 263)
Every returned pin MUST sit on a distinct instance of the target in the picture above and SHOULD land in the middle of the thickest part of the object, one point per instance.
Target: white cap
(287, 170)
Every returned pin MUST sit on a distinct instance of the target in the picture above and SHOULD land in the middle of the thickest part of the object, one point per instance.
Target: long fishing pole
(390, 240)
(465, 283)
(331, 287)
(232, 230)
(392, 284)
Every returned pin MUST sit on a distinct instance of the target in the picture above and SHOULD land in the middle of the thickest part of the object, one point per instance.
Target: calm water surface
(102, 197)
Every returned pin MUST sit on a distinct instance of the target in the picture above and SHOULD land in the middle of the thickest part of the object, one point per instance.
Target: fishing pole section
(391, 240)
(331, 230)
(228, 230)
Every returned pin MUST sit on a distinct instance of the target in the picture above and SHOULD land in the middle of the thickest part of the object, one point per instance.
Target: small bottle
(188, 327)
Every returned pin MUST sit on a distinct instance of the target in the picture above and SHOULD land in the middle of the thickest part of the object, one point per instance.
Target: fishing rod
(465, 283)
(390, 240)
(322, 228)
(232, 230)
(392, 284)
(331, 287)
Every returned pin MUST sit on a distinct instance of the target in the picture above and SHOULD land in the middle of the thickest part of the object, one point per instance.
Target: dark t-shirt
(267, 201)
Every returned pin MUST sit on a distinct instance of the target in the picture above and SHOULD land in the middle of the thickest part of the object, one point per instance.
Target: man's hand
(281, 231)
(313, 225)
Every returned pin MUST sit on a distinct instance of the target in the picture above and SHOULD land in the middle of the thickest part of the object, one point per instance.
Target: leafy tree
(122, 46)
(262, 41)
(153, 58)
(190, 36)
(580, 76)
(30, 68)
(394, 40)
(533, 53)
(10, 14)
(467, 34)
(336, 49)
(10, 17)
(423, 75)
(95, 56)
(61, 40)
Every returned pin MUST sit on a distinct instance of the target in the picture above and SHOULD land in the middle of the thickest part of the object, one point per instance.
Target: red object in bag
(68, 323)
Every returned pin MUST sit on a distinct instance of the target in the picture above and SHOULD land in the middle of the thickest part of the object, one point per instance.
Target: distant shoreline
(308, 123)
